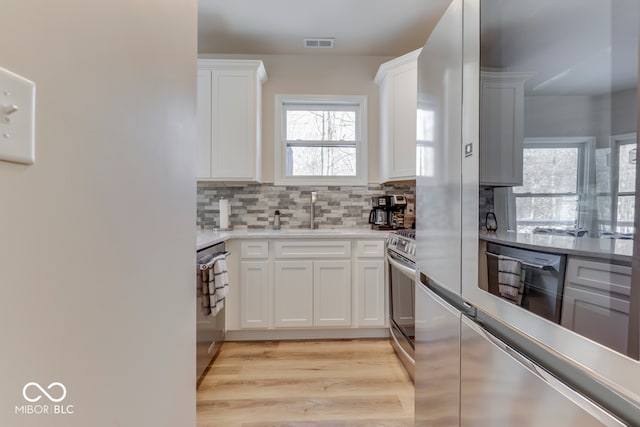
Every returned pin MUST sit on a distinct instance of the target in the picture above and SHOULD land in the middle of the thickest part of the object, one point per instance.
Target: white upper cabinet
(229, 120)
(501, 128)
(397, 80)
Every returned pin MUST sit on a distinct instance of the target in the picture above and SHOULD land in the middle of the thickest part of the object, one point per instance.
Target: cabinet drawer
(370, 249)
(313, 249)
(250, 249)
(599, 275)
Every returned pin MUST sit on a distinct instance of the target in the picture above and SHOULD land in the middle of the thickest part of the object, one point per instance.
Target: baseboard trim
(301, 334)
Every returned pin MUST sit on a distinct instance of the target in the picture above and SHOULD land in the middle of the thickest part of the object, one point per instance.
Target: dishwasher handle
(528, 264)
(204, 262)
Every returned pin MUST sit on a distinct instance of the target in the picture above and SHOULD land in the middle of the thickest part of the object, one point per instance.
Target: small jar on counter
(276, 220)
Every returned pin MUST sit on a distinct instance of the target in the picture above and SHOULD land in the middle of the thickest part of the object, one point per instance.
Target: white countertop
(610, 249)
(208, 238)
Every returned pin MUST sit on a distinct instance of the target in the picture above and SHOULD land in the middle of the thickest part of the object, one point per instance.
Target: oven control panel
(403, 243)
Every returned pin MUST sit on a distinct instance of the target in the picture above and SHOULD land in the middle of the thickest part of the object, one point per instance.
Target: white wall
(558, 116)
(624, 116)
(599, 116)
(97, 239)
(318, 75)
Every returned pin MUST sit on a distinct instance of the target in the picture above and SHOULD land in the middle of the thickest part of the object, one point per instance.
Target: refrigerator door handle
(606, 418)
(510, 351)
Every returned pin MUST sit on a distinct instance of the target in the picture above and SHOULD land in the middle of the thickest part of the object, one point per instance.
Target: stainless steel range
(401, 252)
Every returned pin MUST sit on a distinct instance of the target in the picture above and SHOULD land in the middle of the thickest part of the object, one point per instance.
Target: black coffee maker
(387, 212)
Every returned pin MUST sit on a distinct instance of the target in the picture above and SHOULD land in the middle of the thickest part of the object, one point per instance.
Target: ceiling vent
(324, 43)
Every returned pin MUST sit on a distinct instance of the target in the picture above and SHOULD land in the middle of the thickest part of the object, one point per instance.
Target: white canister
(224, 214)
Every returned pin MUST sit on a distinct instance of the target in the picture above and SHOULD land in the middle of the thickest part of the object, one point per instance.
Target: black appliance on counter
(387, 212)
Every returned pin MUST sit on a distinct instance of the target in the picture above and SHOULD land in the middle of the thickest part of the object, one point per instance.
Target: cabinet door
(293, 293)
(204, 123)
(234, 124)
(596, 302)
(332, 293)
(501, 128)
(254, 294)
(403, 145)
(370, 292)
(398, 99)
(603, 318)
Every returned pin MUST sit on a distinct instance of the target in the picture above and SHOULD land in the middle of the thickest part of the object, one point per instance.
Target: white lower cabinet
(369, 283)
(255, 284)
(254, 294)
(596, 301)
(293, 294)
(370, 287)
(312, 293)
(331, 286)
(332, 293)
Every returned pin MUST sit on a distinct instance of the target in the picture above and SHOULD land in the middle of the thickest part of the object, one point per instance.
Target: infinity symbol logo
(43, 391)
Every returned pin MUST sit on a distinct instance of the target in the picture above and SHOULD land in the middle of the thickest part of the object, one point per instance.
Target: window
(616, 203)
(554, 184)
(320, 140)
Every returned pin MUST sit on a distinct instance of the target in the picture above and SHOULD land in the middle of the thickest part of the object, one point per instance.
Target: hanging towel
(214, 284)
(511, 279)
(206, 275)
(203, 283)
(218, 283)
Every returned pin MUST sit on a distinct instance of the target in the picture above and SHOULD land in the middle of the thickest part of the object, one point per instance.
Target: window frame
(616, 142)
(307, 101)
(585, 146)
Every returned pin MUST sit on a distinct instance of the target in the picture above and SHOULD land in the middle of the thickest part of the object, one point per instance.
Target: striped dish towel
(215, 284)
(218, 283)
(510, 279)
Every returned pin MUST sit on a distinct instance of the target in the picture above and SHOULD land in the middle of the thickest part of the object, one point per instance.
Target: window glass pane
(549, 170)
(554, 212)
(305, 125)
(626, 208)
(604, 208)
(425, 160)
(321, 160)
(603, 170)
(627, 170)
(425, 125)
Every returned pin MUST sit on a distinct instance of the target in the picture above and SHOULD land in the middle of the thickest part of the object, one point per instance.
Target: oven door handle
(523, 262)
(406, 270)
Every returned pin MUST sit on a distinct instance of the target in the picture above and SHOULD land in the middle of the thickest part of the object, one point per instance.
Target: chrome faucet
(314, 199)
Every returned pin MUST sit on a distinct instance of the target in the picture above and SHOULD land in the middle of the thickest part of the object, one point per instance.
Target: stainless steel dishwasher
(210, 329)
(543, 278)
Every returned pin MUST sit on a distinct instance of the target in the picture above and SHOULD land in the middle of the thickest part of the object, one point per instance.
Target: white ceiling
(587, 46)
(359, 27)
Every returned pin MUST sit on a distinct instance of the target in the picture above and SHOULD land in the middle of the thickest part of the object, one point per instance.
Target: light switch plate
(17, 118)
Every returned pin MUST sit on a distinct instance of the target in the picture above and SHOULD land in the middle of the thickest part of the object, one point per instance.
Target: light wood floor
(306, 383)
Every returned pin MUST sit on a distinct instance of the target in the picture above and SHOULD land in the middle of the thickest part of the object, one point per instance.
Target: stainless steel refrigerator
(527, 120)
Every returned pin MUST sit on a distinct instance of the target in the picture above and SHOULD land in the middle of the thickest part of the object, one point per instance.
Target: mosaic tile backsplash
(253, 205)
